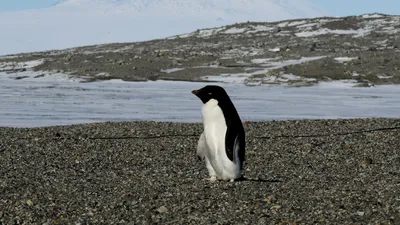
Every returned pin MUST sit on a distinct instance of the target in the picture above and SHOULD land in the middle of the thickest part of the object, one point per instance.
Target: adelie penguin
(222, 143)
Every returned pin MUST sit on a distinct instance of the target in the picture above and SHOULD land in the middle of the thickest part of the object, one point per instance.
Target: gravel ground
(299, 172)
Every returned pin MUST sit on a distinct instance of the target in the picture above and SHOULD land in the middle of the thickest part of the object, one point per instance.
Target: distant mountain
(73, 23)
(229, 10)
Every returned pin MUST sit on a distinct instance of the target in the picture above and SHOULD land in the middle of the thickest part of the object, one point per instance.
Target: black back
(235, 135)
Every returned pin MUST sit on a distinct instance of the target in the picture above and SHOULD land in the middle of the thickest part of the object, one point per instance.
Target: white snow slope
(74, 23)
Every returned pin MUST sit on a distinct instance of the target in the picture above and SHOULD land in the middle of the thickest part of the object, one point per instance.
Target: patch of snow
(362, 33)
(274, 49)
(324, 31)
(389, 30)
(234, 30)
(290, 77)
(284, 79)
(384, 77)
(206, 32)
(339, 84)
(308, 25)
(292, 23)
(103, 74)
(39, 76)
(283, 33)
(281, 78)
(182, 36)
(172, 70)
(241, 77)
(20, 65)
(228, 54)
(283, 24)
(260, 61)
(209, 32)
(368, 16)
(322, 21)
(344, 59)
(123, 49)
(259, 28)
(384, 42)
(296, 23)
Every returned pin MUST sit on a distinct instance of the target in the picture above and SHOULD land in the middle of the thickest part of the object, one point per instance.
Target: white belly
(214, 132)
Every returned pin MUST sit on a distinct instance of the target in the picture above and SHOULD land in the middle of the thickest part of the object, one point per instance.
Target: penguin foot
(211, 179)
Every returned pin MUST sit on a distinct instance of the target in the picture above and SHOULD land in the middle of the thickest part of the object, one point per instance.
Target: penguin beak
(195, 92)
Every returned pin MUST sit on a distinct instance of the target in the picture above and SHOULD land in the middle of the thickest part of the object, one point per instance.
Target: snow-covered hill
(84, 22)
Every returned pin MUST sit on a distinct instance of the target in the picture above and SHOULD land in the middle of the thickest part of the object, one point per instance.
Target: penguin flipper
(201, 147)
(235, 146)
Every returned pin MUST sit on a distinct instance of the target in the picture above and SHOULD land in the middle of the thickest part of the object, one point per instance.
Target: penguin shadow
(257, 180)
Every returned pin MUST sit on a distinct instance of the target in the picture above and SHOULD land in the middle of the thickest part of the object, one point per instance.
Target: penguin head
(211, 92)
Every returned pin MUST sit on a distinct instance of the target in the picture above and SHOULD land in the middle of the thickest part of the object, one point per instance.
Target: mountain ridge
(363, 50)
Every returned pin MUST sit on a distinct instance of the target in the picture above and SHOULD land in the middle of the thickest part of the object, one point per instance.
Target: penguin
(222, 143)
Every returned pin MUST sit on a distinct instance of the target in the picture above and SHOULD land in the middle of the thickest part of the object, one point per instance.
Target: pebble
(162, 209)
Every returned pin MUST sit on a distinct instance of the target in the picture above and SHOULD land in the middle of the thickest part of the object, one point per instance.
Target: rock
(162, 209)
(38, 76)
(276, 207)
(277, 29)
(175, 62)
(29, 203)
(366, 161)
(360, 213)
(21, 77)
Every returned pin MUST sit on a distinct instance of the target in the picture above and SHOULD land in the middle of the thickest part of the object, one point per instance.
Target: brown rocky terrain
(361, 48)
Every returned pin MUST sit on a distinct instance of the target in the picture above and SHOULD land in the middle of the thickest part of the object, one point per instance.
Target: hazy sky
(335, 7)
(12, 5)
(357, 7)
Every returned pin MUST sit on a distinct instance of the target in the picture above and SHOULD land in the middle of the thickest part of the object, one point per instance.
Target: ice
(57, 101)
